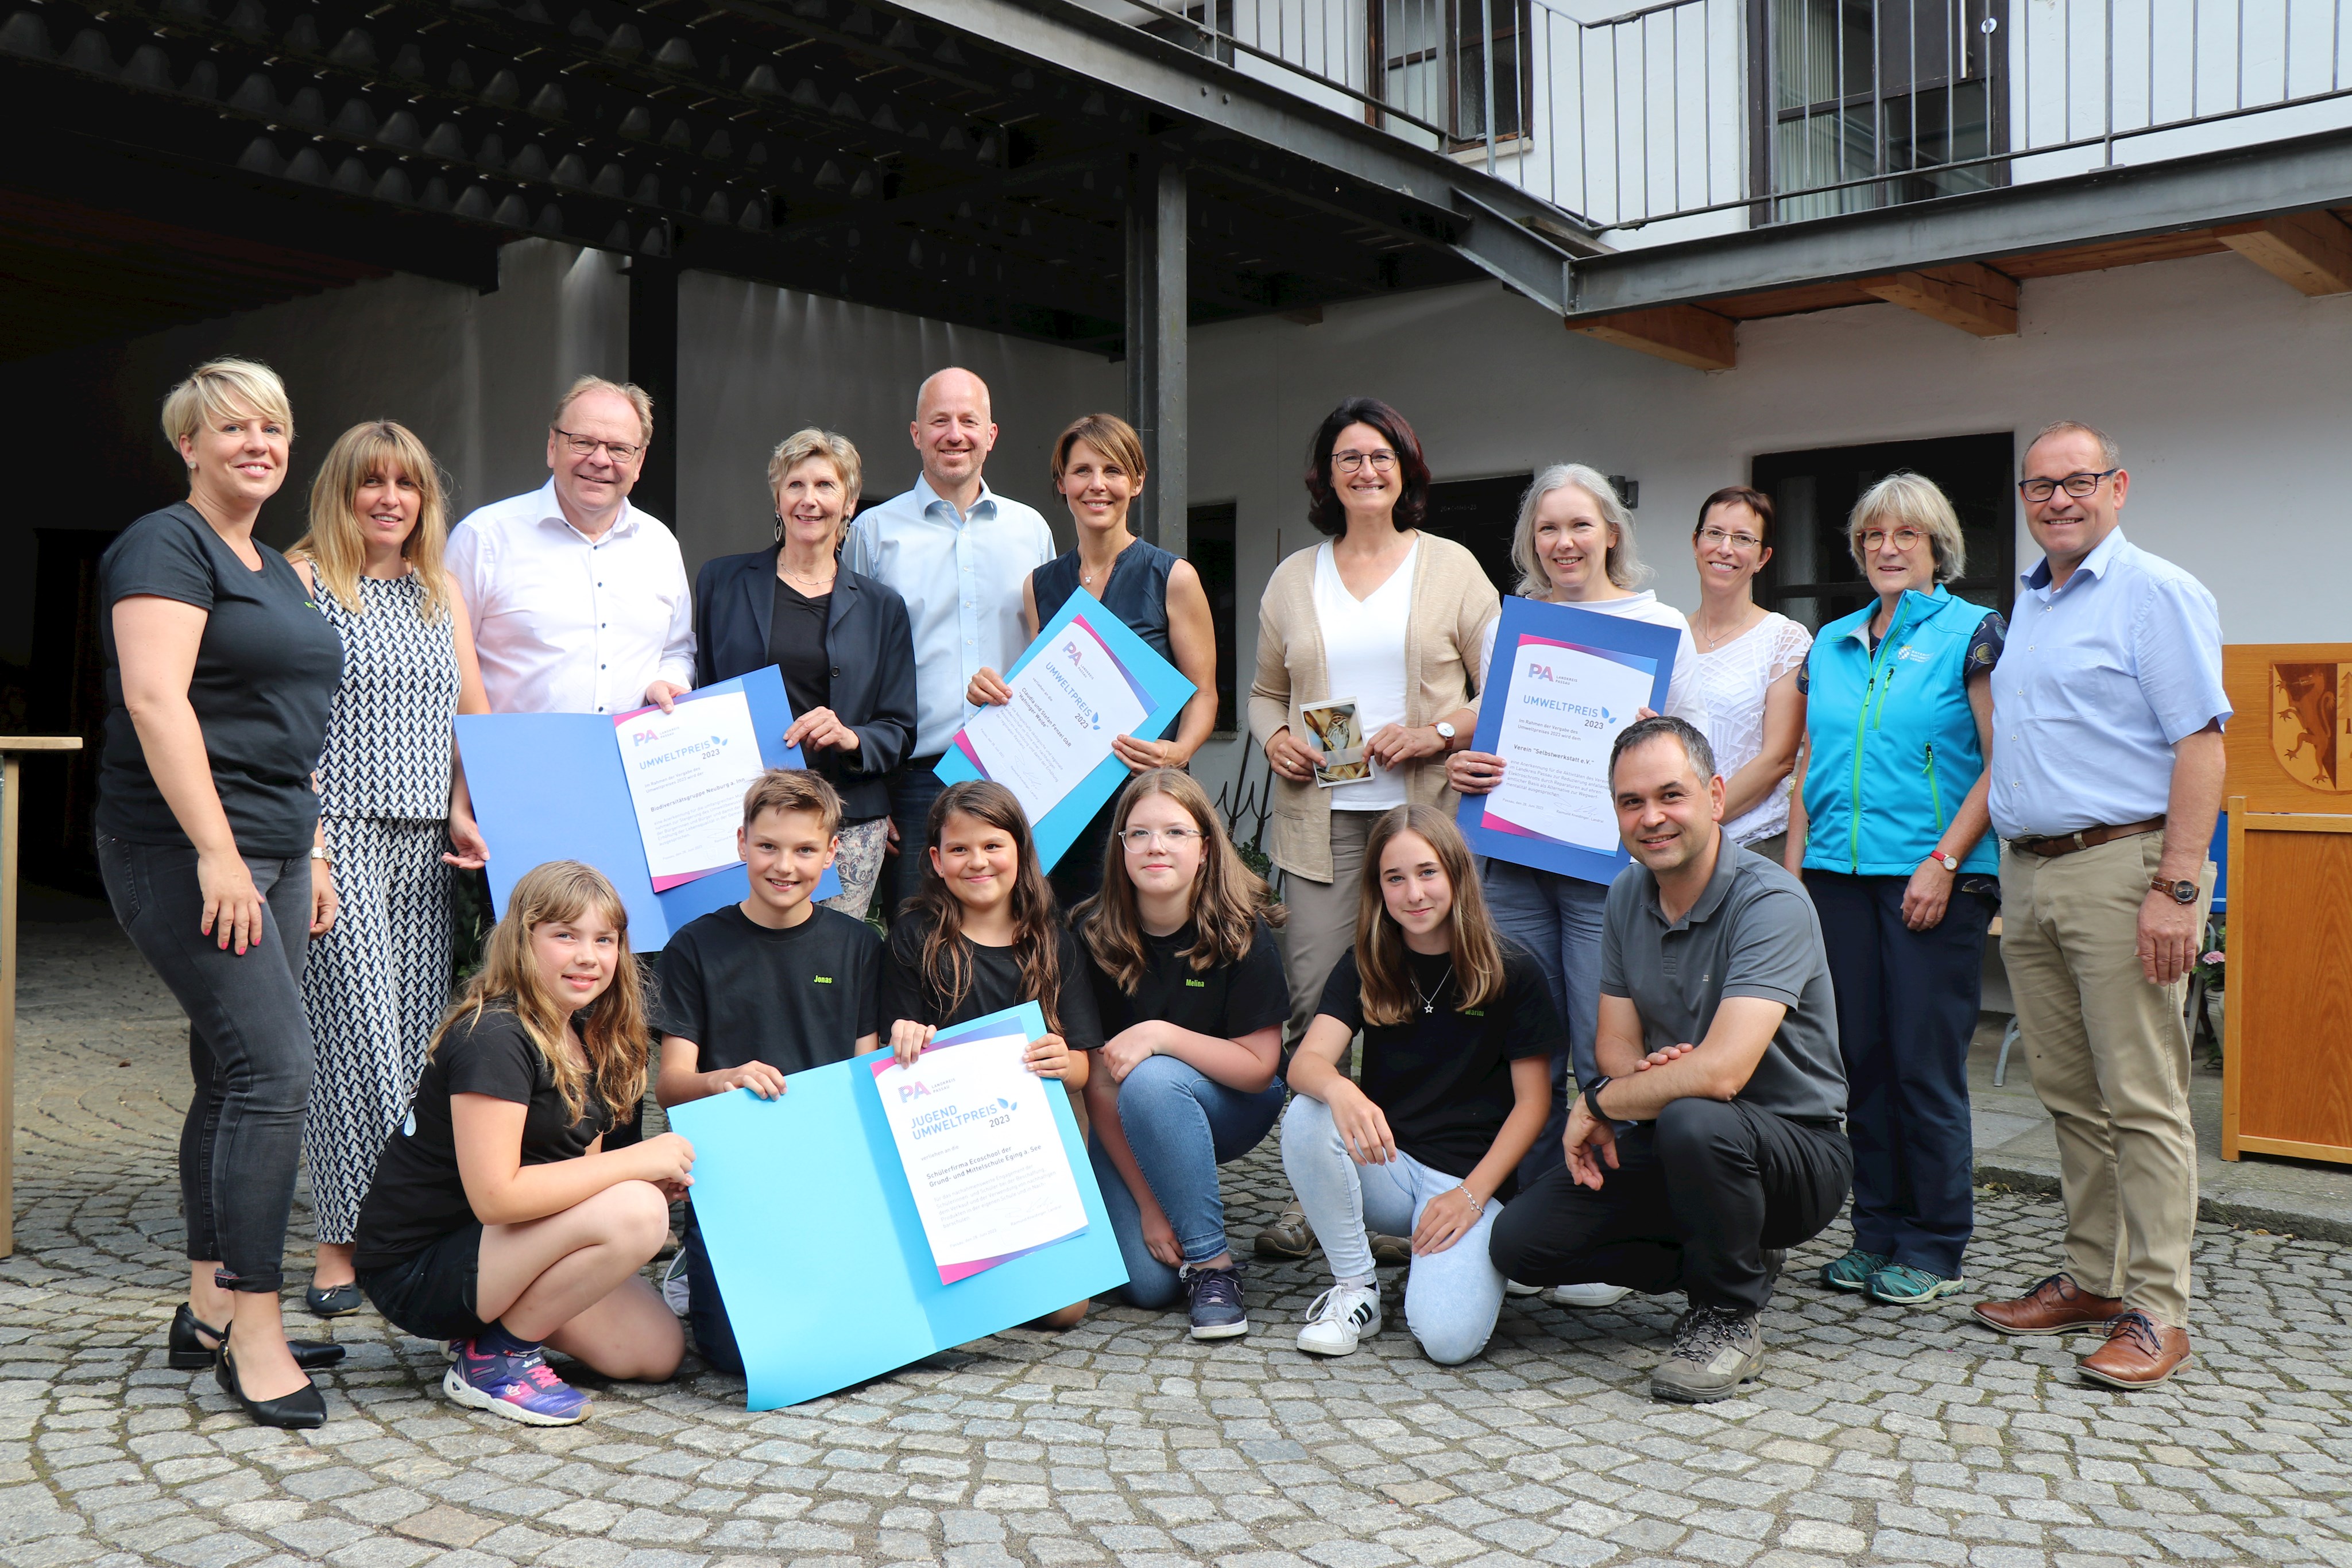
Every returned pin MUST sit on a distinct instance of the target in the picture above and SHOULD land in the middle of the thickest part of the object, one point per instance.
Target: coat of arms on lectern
(2311, 723)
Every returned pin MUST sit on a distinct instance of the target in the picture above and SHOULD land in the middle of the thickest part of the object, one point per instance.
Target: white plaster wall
(2231, 394)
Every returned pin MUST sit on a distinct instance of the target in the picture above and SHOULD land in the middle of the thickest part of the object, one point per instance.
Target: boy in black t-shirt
(772, 986)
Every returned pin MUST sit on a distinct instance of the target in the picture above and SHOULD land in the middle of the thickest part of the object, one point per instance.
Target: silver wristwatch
(1445, 732)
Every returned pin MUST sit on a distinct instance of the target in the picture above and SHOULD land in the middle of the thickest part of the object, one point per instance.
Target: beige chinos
(2109, 1054)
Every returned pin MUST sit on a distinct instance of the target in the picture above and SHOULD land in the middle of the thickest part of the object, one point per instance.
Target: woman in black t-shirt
(497, 1220)
(1459, 1028)
(219, 674)
(1192, 1000)
(982, 934)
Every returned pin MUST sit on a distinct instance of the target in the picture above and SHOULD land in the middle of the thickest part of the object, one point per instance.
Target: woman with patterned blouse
(1749, 660)
(394, 807)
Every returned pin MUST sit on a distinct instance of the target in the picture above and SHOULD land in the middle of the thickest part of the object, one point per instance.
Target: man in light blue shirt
(2106, 778)
(957, 553)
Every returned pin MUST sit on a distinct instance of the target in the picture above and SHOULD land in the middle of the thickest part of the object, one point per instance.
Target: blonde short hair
(1622, 562)
(1904, 496)
(802, 445)
(221, 388)
(635, 395)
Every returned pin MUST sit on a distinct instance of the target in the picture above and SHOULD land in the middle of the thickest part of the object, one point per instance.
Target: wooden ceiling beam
(1683, 333)
(1970, 296)
(2311, 252)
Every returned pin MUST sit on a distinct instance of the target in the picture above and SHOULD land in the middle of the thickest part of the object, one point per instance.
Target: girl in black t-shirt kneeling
(1459, 1029)
(1193, 999)
(496, 1220)
(982, 934)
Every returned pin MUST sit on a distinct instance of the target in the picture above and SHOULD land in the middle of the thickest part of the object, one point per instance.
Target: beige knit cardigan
(1452, 602)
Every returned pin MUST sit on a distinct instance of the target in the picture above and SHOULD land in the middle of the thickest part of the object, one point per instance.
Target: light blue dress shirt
(2099, 680)
(962, 579)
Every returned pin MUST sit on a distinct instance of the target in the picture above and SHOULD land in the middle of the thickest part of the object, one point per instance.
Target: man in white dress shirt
(957, 553)
(579, 600)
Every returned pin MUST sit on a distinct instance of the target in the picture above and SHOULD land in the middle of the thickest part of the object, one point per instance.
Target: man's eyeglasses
(2075, 485)
(1144, 838)
(1906, 539)
(1715, 538)
(1350, 462)
(586, 447)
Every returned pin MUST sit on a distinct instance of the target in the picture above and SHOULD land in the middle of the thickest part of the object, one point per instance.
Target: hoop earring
(779, 526)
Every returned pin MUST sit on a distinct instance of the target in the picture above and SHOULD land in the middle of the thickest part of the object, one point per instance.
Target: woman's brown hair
(1381, 961)
(945, 963)
(1324, 508)
(335, 546)
(1106, 434)
(612, 1029)
(1228, 898)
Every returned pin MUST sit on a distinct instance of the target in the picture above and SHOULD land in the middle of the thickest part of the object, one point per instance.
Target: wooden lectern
(2286, 1075)
(11, 764)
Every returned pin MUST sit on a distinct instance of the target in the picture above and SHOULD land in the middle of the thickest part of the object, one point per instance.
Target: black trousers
(1697, 1196)
(912, 790)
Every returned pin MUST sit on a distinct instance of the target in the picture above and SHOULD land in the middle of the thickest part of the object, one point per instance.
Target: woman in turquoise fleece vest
(1888, 831)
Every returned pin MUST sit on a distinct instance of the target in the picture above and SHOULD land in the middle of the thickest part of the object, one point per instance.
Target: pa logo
(912, 1088)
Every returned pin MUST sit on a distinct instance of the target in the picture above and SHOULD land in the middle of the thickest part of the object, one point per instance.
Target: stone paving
(1875, 1436)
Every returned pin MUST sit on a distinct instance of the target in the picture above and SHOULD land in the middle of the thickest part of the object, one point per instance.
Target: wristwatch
(318, 852)
(1445, 732)
(2179, 892)
(1592, 1098)
(1950, 863)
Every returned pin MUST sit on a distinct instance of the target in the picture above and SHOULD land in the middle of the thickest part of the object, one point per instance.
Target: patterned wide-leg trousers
(375, 989)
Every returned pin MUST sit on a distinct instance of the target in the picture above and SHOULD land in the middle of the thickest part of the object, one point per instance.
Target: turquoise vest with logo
(1894, 746)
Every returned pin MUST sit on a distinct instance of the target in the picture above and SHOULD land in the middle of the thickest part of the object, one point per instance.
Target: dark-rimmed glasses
(1349, 462)
(2078, 486)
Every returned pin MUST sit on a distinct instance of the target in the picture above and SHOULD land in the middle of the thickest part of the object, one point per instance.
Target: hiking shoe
(1853, 1271)
(1388, 1251)
(1289, 1236)
(1901, 1285)
(1716, 1349)
(1216, 1310)
(1341, 1319)
(519, 1387)
(1587, 1296)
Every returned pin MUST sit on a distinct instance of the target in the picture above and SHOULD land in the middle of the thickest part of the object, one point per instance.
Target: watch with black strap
(1592, 1098)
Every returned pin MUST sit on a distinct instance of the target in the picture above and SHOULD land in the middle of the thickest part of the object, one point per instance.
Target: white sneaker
(676, 1291)
(1588, 1295)
(1513, 1288)
(1341, 1317)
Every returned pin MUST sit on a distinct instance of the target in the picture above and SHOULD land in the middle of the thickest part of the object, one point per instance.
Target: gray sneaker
(1716, 1349)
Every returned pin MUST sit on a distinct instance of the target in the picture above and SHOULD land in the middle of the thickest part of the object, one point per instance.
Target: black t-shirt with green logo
(794, 999)
(1226, 1000)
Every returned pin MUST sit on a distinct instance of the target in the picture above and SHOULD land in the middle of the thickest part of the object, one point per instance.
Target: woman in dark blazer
(842, 641)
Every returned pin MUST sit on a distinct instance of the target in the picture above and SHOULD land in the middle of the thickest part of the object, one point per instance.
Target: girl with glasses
(1190, 985)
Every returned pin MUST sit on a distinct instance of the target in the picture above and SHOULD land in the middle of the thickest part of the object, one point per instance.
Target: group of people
(1514, 1080)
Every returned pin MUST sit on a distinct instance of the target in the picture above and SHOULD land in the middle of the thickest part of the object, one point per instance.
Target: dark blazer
(868, 637)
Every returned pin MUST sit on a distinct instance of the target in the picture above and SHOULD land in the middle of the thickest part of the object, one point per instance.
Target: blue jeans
(1451, 1298)
(1181, 1125)
(1559, 919)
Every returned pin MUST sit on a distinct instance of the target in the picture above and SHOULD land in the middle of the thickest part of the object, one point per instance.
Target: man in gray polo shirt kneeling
(1718, 1045)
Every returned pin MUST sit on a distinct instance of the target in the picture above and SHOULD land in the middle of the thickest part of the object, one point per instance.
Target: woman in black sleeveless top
(1098, 469)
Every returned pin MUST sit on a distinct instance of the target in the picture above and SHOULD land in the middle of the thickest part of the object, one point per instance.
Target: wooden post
(11, 770)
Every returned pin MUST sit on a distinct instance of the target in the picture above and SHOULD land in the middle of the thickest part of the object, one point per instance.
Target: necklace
(1086, 573)
(1710, 641)
(1429, 1002)
(816, 584)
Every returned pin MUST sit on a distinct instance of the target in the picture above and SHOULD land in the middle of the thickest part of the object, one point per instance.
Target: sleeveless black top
(1137, 591)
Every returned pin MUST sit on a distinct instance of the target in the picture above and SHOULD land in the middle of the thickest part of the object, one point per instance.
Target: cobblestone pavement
(1875, 1436)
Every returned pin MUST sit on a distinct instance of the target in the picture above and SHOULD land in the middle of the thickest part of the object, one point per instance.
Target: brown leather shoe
(2056, 1305)
(2140, 1354)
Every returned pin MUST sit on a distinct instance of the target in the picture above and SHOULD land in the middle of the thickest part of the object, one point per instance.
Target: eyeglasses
(586, 447)
(1144, 838)
(1351, 462)
(2076, 485)
(1715, 538)
(1904, 538)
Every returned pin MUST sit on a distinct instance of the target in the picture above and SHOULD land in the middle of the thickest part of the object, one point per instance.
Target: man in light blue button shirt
(957, 553)
(2106, 778)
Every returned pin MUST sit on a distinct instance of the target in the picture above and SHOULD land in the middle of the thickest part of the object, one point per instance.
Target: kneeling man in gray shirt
(1713, 1140)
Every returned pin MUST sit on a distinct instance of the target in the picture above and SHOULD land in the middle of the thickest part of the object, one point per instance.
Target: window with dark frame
(1209, 546)
(1479, 514)
(1429, 60)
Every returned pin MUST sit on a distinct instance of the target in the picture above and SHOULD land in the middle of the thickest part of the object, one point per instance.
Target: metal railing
(1714, 114)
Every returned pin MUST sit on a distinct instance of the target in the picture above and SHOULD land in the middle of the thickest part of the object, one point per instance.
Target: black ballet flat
(189, 1353)
(334, 1301)
(299, 1411)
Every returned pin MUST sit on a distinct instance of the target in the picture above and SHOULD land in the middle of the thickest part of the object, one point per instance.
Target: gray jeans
(248, 1048)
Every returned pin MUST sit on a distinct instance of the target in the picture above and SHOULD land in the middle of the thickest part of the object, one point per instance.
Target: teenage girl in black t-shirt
(1192, 998)
(497, 1220)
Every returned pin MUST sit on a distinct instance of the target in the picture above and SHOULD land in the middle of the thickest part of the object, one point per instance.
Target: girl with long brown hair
(1459, 1028)
(498, 1221)
(1190, 986)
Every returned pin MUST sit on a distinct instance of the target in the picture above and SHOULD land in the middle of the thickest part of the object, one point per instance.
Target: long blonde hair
(1228, 899)
(613, 1028)
(1380, 962)
(336, 547)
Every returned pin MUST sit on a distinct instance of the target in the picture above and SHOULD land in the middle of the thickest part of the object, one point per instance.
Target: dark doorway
(1479, 514)
(67, 696)
(1812, 578)
(1209, 546)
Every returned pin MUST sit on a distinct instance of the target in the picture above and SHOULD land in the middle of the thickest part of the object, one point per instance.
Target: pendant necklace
(1429, 1002)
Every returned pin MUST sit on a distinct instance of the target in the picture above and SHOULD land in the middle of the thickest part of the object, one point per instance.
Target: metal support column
(1156, 380)
(653, 365)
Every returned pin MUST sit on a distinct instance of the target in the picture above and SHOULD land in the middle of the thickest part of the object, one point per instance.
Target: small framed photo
(1331, 729)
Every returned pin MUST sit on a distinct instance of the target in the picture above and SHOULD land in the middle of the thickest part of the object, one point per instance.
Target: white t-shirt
(1733, 680)
(1684, 700)
(1363, 653)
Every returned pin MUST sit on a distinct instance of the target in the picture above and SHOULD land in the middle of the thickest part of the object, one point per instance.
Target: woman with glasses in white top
(1749, 663)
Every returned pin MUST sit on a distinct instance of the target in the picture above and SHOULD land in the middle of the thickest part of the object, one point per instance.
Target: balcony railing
(1695, 116)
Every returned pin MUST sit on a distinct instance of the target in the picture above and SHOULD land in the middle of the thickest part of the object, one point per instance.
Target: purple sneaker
(519, 1387)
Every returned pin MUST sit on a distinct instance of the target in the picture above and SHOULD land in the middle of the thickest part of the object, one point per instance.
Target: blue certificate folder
(820, 1257)
(549, 787)
(1528, 625)
(1164, 690)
